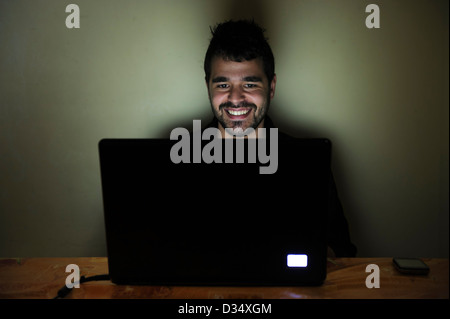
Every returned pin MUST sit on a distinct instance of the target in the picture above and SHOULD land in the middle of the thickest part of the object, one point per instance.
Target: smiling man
(240, 93)
(240, 78)
(239, 73)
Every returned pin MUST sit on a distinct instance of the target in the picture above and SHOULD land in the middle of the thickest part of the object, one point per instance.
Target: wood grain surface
(41, 278)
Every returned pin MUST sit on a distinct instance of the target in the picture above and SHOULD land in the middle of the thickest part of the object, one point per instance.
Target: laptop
(215, 222)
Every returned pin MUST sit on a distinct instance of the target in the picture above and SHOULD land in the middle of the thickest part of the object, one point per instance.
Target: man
(239, 73)
(240, 78)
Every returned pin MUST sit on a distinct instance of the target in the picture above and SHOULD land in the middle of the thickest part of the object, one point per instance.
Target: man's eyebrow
(219, 79)
(252, 79)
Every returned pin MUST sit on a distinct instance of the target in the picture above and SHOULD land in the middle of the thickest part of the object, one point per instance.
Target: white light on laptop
(297, 260)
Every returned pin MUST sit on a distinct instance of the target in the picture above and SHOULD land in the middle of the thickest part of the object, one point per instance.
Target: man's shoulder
(268, 123)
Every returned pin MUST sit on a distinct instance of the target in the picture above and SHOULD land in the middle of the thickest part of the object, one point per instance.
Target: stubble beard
(240, 126)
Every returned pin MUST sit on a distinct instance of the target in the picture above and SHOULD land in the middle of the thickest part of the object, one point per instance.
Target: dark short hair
(239, 41)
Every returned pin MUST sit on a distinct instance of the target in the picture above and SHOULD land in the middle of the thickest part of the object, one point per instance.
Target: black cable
(64, 291)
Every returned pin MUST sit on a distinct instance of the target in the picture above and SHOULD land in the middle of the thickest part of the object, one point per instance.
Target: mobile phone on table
(411, 266)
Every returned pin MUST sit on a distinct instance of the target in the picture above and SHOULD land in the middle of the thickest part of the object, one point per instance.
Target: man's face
(240, 93)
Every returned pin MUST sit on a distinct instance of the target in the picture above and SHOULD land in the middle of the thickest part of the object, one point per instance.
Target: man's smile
(238, 114)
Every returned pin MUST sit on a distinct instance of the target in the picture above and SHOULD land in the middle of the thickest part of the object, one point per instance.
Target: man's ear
(272, 86)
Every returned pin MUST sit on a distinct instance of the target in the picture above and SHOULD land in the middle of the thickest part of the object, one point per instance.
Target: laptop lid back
(215, 223)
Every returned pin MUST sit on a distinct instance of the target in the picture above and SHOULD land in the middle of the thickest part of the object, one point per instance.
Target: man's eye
(222, 86)
(250, 85)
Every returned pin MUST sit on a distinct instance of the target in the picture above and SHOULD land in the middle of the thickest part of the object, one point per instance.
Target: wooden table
(41, 278)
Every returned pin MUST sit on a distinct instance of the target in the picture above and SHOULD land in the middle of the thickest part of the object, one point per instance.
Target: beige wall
(134, 69)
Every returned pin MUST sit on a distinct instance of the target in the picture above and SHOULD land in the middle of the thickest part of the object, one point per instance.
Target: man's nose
(236, 95)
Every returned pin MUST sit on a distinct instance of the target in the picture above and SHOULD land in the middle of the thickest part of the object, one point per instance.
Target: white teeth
(238, 112)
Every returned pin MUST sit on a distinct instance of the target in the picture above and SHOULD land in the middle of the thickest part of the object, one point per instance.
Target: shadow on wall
(258, 11)
(249, 9)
